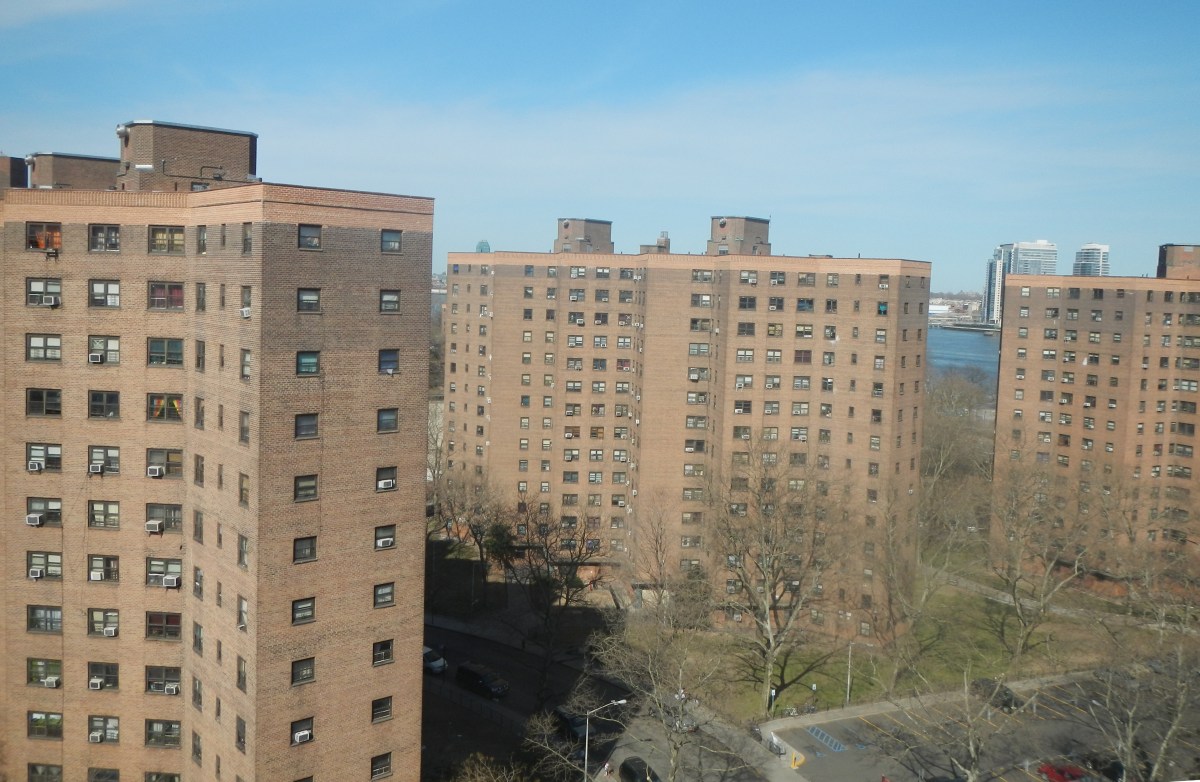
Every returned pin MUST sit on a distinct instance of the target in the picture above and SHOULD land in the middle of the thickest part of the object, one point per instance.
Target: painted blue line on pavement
(829, 741)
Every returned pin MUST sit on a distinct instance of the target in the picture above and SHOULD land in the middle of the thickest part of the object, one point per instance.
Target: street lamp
(587, 731)
(849, 662)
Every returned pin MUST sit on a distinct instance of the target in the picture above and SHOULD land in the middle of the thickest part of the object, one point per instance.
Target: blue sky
(923, 130)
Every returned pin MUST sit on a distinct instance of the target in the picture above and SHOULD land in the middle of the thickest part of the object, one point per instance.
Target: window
(303, 671)
(305, 488)
(381, 766)
(43, 236)
(243, 551)
(43, 401)
(104, 404)
(43, 292)
(43, 725)
(384, 594)
(47, 455)
(106, 349)
(164, 407)
(43, 619)
(171, 516)
(389, 361)
(308, 237)
(387, 419)
(158, 567)
(381, 709)
(308, 362)
(385, 478)
(164, 352)
(244, 363)
(43, 347)
(381, 652)
(161, 296)
(247, 237)
(308, 299)
(166, 239)
(304, 549)
(304, 610)
(243, 488)
(108, 727)
(164, 625)
(306, 425)
(302, 731)
(390, 240)
(166, 733)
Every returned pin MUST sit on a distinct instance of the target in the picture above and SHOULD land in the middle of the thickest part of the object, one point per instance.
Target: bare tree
(553, 561)
(1037, 551)
(770, 524)
(662, 655)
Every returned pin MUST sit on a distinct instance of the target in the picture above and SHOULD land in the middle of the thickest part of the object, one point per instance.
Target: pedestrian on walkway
(607, 769)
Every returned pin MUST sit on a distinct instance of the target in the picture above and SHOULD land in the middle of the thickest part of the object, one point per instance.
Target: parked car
(481, 680)
(1065, 772)
(433, 662)
(634, 769)
(996, 694)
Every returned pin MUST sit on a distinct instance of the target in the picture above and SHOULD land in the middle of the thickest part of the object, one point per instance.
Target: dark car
(993, 692)
(481, 680)
(571, 726)
(634, 769)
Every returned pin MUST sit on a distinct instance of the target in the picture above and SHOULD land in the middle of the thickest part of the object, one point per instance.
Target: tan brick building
(213, 558)
(1099, 383)
(612, 389)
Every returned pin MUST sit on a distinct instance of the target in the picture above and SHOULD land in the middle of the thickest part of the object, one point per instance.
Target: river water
(949, 349)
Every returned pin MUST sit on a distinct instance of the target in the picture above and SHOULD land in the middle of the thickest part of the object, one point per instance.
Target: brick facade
(604, 387)
(152, 307)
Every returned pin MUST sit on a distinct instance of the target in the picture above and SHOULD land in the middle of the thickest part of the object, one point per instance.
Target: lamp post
(587, 731)
(849, 662)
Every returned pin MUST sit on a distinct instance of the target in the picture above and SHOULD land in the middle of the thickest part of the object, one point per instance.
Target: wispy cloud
(20, 13)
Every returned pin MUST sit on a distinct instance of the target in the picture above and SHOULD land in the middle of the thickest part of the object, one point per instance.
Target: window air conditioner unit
(622, 458)
(154, 526)
(96, 469)
(109, 632)
(35, 466)
(620, 503)
(568, 458)
(774, 282)
(633, 493)
(693, 375)
(689, 449)
(95, 358)
(171, 688)
(773, 308)
(770, 385)
(739, 386)
(387, 483)
(745, 437)
(95, 683)
(170, 582)
(301, 736)
(96, 737)
(36, 572)
(245, 312)
(385, 542)
(35, 519)
(51, 682)
(569, 436)
(49, 301)
(883, 286)
(155, 471)
(96, 575)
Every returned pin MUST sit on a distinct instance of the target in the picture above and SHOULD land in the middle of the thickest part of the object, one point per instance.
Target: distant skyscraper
(1091, 261)
(1037, 257)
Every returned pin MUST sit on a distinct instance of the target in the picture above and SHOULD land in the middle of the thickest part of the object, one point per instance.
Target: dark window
(166, 239)
(164, 352)
(304, 671)
(306, 425)
(390, 241)
(304, 549)
(389, 361)
(308, 299)
(305, 488)
(387, 419)
(104, 404)
(308, 362)
(309, 237)
(43, 401)
(389, 301)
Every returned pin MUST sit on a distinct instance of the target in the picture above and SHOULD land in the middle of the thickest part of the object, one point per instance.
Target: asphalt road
(457, 723)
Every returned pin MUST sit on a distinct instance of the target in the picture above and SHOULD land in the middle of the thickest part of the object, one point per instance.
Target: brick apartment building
(1099, 382)
(214, 539)
(617, 391)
